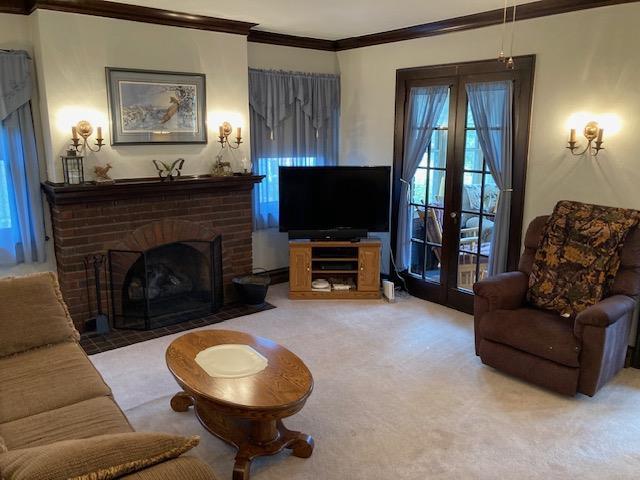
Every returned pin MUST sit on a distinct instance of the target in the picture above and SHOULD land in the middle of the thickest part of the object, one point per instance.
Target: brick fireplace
(140, 215)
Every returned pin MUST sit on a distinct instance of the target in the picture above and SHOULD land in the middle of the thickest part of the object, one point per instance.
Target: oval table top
(285, 382)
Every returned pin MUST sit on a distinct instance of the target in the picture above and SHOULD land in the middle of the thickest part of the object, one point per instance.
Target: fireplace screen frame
(149, 320)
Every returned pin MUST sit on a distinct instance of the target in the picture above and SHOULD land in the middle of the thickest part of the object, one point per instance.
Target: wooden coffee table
(246, 412)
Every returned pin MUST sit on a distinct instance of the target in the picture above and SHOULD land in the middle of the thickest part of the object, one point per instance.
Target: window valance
(272, 93)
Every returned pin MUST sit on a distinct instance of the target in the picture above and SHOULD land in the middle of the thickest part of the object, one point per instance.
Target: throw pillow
(579, 256)
(33, 313)
(103, 457)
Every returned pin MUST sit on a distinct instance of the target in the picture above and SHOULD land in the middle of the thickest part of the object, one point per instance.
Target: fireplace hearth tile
(93, 343)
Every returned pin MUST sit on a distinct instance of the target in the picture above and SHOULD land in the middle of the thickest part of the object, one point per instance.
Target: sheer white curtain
(491, 105)
(425, 107)
(21, 217)
(294, 122)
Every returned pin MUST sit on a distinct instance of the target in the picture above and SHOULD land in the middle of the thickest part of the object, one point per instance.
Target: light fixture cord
(513, 27)
(504, 26)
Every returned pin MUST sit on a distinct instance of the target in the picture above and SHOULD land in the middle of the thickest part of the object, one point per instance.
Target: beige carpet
(399, 394)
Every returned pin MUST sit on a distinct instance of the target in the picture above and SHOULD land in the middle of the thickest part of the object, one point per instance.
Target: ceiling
(329, 19)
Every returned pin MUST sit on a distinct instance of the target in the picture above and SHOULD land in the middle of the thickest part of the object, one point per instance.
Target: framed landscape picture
(156, 107)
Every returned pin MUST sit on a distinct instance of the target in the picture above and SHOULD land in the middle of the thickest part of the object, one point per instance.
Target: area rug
(399, 394)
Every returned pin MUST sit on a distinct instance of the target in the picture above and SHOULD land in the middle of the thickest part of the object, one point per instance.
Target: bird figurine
(171, 111)
(102, 174)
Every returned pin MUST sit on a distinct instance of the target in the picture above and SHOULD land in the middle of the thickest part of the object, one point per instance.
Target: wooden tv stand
(349, 262)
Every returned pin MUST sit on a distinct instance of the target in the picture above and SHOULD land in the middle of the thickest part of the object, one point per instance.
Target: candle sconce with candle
(223, 137)
(80, 137)
(593, 133)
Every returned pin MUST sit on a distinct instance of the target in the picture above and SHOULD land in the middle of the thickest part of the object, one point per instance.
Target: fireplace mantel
(61, 194)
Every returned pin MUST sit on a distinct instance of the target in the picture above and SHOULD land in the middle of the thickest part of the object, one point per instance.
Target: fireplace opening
(166, 284)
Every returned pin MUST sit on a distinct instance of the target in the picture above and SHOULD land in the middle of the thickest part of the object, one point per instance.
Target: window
(5, 211)
(267, 192)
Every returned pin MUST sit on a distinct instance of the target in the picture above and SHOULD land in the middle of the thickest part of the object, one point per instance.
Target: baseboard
(279, 275)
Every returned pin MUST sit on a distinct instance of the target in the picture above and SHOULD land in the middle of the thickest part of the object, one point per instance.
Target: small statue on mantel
(220, 168)
(102, 174)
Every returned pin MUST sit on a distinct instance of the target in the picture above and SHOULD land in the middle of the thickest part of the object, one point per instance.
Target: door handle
(454, 216)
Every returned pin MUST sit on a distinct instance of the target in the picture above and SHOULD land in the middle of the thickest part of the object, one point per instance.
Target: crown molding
(123, 11)
(135, 13)
(260, 36)
(541, 8)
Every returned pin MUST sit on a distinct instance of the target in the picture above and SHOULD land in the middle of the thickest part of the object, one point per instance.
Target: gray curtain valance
(16, 81)
(272, 93)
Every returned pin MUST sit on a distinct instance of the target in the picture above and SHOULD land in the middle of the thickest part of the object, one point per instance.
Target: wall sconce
(223, 138)
(592, 131)
(84, 130)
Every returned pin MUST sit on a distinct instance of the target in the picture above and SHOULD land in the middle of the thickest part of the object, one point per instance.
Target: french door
(453, 196)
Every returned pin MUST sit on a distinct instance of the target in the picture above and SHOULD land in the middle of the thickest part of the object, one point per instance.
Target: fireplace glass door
(166, 284)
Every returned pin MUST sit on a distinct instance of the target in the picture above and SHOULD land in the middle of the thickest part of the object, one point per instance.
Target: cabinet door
(299, 268)
(369, 269)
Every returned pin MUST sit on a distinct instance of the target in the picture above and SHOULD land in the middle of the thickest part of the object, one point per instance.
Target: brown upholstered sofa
(562, 354)
(49, 389)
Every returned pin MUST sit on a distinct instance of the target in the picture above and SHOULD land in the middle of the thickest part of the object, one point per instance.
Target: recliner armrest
(604, 313)
(505, 291)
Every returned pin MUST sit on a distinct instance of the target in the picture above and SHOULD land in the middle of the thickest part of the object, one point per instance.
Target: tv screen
(333, 198)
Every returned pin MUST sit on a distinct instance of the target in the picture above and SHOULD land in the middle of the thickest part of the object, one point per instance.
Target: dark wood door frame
(456, 75)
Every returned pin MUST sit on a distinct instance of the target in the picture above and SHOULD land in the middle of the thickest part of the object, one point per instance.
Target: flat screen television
(334, 202)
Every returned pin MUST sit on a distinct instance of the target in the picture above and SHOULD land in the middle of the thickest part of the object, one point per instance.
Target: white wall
(275, 57)
(270, 247)
(15, 32)
(586, 61)
(73, 51)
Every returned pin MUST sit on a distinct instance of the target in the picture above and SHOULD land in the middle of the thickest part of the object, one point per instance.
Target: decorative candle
(572, 137)
(74, 133)
(600, 133)
(239, 135)
(99, 136)
(221, 131)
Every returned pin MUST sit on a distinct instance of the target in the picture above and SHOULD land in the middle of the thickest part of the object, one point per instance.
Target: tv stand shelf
(310, 260)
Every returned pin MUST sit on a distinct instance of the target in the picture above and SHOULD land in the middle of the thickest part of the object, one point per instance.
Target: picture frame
(156, 107)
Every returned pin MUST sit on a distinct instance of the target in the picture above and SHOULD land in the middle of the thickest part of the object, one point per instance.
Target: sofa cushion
(538, 332)
(178, 468)
(46, 378)
(97, 416)
(33, 313)
(102, 457)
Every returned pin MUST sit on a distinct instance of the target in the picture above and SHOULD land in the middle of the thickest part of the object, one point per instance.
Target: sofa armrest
(604, 313)
(503, 291)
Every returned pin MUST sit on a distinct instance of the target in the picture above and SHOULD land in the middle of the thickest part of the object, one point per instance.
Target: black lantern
(72, 168)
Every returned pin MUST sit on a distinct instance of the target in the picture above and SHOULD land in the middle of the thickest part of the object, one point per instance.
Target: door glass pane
(438, 148)
(466, 270)
(417, 223)
(419, 186)
(473, 158)
(436, 187)
(432, 265)
(417, 258)
(469, 233)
